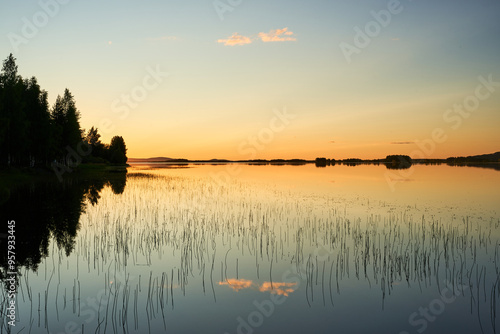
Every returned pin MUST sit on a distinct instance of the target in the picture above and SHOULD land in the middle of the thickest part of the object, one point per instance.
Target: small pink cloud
(278, 35)
(235, 39)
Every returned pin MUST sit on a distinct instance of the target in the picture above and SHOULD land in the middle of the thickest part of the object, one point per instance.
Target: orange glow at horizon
(367, 151)
(340, 128)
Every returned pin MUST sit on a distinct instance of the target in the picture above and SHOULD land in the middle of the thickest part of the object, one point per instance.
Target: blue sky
(396, 89)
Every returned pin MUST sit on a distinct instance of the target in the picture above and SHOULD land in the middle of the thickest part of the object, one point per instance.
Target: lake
(230, 248)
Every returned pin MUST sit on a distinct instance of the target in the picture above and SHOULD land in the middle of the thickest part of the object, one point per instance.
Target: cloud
(402, 143)
(332, 141)
(278, 35)
(235, 39)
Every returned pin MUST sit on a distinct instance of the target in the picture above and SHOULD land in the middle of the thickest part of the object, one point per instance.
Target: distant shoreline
(406, 161)
(306, 162)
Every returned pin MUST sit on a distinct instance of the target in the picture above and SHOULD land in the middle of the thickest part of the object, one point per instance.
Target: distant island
(391, 161)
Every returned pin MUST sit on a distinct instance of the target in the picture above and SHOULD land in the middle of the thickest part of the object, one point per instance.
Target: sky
(241, 79)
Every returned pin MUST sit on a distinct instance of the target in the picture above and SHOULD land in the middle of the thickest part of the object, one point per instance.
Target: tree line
(32, 133)
(390, 161)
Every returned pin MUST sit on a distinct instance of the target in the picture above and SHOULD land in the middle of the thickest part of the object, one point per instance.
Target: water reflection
(45, 210)
(278, 288)
(237, 284)
(160, 252)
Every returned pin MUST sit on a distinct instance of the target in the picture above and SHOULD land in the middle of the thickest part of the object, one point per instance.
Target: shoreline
(13, 178)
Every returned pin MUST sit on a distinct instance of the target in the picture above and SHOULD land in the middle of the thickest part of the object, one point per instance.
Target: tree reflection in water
(51, 209)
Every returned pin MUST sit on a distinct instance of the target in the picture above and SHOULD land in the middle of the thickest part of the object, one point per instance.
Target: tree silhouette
(9, 75)
(65, 118)
(118, 150)
(39, 130)
(12, 114)
(93, 139)
(72, 133)
(33, 134)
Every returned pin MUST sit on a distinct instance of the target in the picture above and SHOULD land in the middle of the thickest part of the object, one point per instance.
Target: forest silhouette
(34, 134)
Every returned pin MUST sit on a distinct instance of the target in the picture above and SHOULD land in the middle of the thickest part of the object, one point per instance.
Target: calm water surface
(258, 249)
